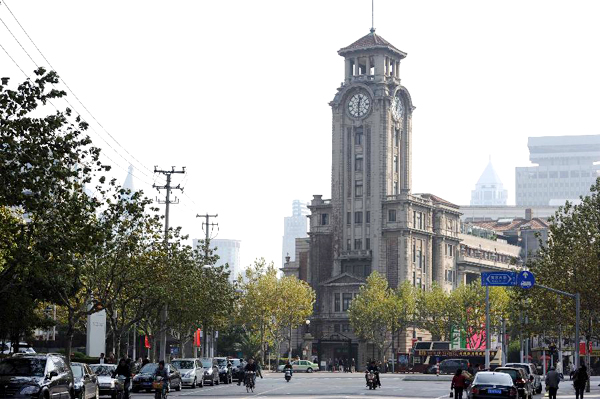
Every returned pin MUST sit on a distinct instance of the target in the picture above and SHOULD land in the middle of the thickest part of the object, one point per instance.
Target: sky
(238, 91)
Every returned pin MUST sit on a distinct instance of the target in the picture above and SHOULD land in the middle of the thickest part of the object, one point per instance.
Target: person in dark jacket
(552, 381)
(373, 367)
(580, 381)
(124, 369)
(161, 371)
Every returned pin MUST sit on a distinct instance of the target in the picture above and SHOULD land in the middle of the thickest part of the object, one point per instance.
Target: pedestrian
(580, 381)
(470, 369)
(102, 359)
(353, 366)
(572, 370)
(111, 358)
(552, 381)
(145, 361)
(459, 383)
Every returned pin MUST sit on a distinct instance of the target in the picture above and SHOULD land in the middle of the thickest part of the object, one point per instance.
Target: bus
(425, 355)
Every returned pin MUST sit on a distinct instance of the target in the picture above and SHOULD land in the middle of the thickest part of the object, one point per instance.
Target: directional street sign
(498, 279)
(526, 279)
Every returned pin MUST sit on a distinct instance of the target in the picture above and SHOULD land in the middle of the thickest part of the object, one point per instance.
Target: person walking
(459, 383)
(552, 381)
(572, 370)
(580, 381)
(102, 359)
(353, 366)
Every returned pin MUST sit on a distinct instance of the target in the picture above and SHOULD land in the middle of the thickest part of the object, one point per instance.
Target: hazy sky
(238, 91)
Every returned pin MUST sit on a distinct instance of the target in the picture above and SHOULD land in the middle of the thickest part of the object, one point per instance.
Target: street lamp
(307, 326)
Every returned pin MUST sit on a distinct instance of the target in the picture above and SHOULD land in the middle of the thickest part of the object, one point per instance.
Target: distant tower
(294, 226)
(128, 183)
(489, 190)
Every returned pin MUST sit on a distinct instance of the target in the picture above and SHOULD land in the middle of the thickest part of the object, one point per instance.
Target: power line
(13, 60)
(68, 88)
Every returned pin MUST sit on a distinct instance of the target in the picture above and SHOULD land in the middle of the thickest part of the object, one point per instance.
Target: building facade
(295, 226)
(228, 252)
(564, 170)
(489, 190)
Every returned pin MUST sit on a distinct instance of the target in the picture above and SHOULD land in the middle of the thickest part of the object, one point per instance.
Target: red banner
(582, 348)
(197, 339)
(146, 342)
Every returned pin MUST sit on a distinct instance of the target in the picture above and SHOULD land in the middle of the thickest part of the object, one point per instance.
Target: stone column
(348, 74)
(356, 67)
(368, 71)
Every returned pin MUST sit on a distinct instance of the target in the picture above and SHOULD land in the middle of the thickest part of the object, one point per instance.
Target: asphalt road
(344, 386)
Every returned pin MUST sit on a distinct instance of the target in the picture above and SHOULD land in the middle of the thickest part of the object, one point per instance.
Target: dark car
(524, 385)
(143, 379)
(44, 376)
(531, 373)
(211, 370)
(492, 385)
(225, 370)
(449, 366)
(237, 368)
(85, 381)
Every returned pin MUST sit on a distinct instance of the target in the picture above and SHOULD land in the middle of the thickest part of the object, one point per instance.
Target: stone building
(373, 221)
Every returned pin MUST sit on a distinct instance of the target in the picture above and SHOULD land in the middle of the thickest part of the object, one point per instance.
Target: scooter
(157, 384)
(371, 380)
(288, 375)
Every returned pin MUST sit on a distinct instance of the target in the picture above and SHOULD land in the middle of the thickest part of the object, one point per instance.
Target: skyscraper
(228, 252)
(564, 170)
(489, 190)
(294, 226)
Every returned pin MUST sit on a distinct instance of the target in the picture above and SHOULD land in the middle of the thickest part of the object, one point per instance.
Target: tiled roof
(514, 224)
(372, 40)
(437, 200)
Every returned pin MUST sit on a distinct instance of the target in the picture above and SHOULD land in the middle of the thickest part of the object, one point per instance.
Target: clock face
(397, 107)
(359, 105)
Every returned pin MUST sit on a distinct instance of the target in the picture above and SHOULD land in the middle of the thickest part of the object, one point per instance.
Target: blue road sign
(498, 279)
(525, 279)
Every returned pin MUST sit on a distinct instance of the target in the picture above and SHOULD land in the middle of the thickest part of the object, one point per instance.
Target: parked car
(225, 370)
(40, 376)
(449, 366)
(524, 385)
(531, 372)
(24, 347)
(107, 385)
(211, 370)
(237, 368)
(85, 381)
(489, 384)
(191, 371)
(301, 365)
(143, 379)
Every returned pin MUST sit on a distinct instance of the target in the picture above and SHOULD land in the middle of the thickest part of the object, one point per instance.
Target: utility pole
(207, 225)
(167, 202)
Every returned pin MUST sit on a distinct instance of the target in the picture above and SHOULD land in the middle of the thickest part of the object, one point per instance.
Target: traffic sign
(498, 279)
(526, 279)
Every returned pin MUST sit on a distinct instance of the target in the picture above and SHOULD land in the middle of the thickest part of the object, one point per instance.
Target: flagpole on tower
(372, 16)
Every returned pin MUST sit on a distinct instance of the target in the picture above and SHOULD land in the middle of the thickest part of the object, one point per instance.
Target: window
(392, 215)
(358, 188)
(336, 328)
(358, 244)
(574, 173)
(367, 243)
(336, 302)
(396, 137)
(358, 164)
(419, 254)
(417, 220)
(414, 251)
(395, 187)
(348, 245)
(324, 219)
(395, 163)
(368, 217)
(346, 300)
(358, 136)
(345, 328)
(358, 217)
(449, 250)
(418, 282)
(348, 217)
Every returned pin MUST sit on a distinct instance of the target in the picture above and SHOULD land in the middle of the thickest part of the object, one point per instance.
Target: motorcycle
(249, 381)
(120, 388)
(288, 375)
(371, 380)
(157, 384)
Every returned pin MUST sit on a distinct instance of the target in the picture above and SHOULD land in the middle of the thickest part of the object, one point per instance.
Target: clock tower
(373, 222)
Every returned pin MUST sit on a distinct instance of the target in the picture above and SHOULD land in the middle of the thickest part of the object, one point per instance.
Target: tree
(437, 313)
(296, 305)
(374, 311)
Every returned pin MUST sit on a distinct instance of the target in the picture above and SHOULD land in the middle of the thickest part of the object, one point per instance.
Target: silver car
(531, 372)
(192, 372)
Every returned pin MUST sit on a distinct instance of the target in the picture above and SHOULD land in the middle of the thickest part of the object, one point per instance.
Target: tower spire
(372, 16)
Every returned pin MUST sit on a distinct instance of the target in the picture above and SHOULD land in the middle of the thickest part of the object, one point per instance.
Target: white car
(24, 347)
(191, 370)
(107, 385)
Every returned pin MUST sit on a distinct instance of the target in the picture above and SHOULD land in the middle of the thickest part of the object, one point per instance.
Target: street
(346, 385)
